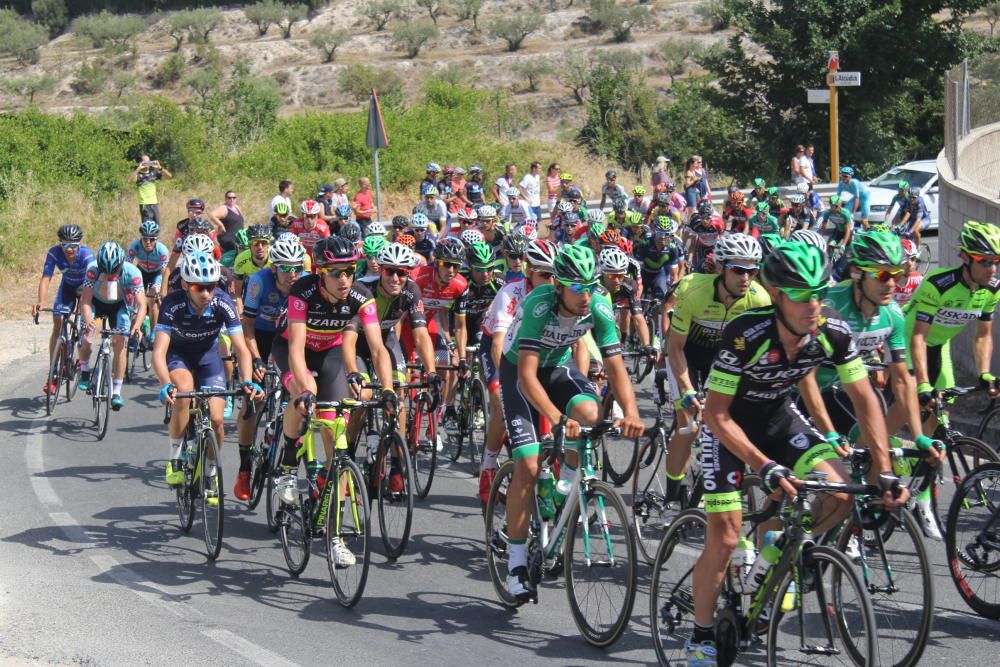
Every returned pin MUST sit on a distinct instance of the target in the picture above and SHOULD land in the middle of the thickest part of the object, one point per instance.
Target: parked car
(920, 174)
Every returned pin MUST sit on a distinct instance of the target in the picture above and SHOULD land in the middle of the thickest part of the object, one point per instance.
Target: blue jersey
(857, 189)
(124, 289)
(264, 303)
(655, 259)
(148, 262)
(72, 274)
(190, 333)
(425, 246)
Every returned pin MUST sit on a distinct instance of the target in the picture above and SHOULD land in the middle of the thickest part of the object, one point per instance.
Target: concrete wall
(972, 194)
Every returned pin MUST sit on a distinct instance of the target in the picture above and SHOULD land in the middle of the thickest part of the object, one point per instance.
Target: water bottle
(563, 487)
(145, 326)
(546, 488)
(743, 559)
(769, 555)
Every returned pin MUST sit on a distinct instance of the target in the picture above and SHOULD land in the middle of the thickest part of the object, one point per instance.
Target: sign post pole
(375, 138)
(834, 64)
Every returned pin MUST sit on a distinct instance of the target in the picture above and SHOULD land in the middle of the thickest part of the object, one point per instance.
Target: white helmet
(613, 260)
(597, 215)
(564, 206)
(197, 243)
(468, 214)
(513, 192)
(541, 254)
(486, 211)
(397, 254)
(810, 237)
(200, 267)
(528, 231)
(802, 187)
(419, 221)
(797, 199)
(374, 228)
(470, 236)
(737, 246)
(287, 251)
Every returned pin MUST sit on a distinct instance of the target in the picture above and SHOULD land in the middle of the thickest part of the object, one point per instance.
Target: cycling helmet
(400, 222)
(880, 227)
(515, 244)
(759, 184)
(282, 208)
(540, 254)
(199, 224)
(611, 173)
(633, 218)
(571, 218)
(433, 166)
(849, 171)
(910, 250)
(200, 267)
(259, 232)
(871, 249)
(431, 191)
(373, 245)
(913, 193)
(565, 176)
(810, 237)
(773, 192)
(610, 237)
(475, 169)
(467, 214)
(768, 242)
(802, 188)
(737, 197)
(595, 229)
(241, 240)
(529, 232)
(625, 245)
(834, 200)
(619, 204)
(480, 256)
(613, 260)
(397, 254)
(564, 207)
(450, 250)
(406, 239)
(351, 231)
(287, 251)
(310, 207)
(797, 199)
(419, 221)
(343, 211)
(730, 190)
(662, 198)
(576, 265)
(903, 185)
(196, 204)
(796, 265)
(763, 208)
(198, 243)
(638, 191)
(486, 211)
(737, 247)
(470, 236)
(596, 217)
(665, 224)
(110, 257)
(669, 187)
(574, 194)
(149, 229)
(980, 238)
(334, 250)
(705, 208)
(375, 228)
(70, 233)
(513, 192)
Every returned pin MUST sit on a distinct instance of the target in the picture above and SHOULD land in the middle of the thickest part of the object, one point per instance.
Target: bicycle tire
(101, 387)
(145, 354)
(973, 566)
(354, 530)
(185, 492)
(832, 569)
(295, 536)
(477, 434)
(671, 601)
(260, 462)
(272, 505)
(496, 534)
(984, 423)
(457, 441)
(129, 362)
(601, 628)
(395, 509)
(965, 454)
(619, 457)
(903, 632)
(55, 377)
(212, 515)
(70, 368)
(924, 258)
(649, 498)
(423, 449)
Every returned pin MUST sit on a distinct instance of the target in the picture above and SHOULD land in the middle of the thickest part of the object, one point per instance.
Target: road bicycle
(588, 538)
(972, 540)
(101, 378)
(266, 446)
(422, 435)
(64, 367)
(472, 409)
(201, 463)
(139, 347)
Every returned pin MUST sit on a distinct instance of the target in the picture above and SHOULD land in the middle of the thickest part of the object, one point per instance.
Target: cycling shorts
(566, 387)
(151, 279)
(660, 281)
(396, 355)
(118, 315)
(698, 370)
(939, 368)
(327, 366)
(441, 352)
(67, 296)
(490, 372)
(785, 436)
(207, 369)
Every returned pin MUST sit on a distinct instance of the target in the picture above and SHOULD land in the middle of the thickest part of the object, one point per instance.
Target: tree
(244, 111)
(202, 83)
(178, 25)
(21, 38)
(411, 36)
(434, 8)
(993, 16)
(380, 12)
(110, 30)
(120, 82)
(91, 78)
(50, 13)
(575, 75)
(451, 74)
(515, 29)
(170, 71)
(607, 15)
(358, 80)
(203, 22)
(717, 13)
(263, 15)
(676, 54)
(532, 70)
(621, 121)
(469, 9)
(328, 40)
(30, 85)
(623, 62)
(289, 15)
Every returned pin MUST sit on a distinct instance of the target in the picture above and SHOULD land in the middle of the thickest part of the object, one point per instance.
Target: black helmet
(196, 203)
(450, 250)
(200, 224)
(334, 250)
(515, 244)
(611, 173)
(400, 222)
(71, 233)
(259, 232)
(619, 204)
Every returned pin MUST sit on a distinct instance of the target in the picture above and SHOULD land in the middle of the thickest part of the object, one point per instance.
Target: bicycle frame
(338, 427)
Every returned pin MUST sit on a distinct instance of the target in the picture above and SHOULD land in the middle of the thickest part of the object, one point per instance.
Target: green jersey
(948, 304)
(767, 224)
(882, 337)
(538, 327)
(840, 219)
(701, 316)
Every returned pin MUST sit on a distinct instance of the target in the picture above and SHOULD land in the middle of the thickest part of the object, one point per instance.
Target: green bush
(607, 15)
(264, 15)
(21, 38)
(469, 10)
(290, 14)
(411, 36)
(170, 71)
(328, 40)
(532, 70)
(358, 80)
(716, 13)
(50, 13)
(90, 79)
(30, 85)
(514, 29)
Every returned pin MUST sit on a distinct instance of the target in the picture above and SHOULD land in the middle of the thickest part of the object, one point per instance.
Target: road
(95, 571)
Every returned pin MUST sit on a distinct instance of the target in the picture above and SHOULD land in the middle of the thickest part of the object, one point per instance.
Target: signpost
(833, 64)
(375, 138)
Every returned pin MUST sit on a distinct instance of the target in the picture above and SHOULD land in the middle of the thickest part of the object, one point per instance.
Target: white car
(920, 174)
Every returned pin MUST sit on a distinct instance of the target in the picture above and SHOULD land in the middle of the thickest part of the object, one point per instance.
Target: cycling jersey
(437, 296)
(72, 274)
(626, 296)
(656, 259)
(701, 316)
(637, 205)
(325, 321)
(517, 216)
(840, 219)
(474, 192)
(881, 337)
(804, 220)
(478, 302)
(918, 214)
(948, 304)
(244, 266)
(391, 310)
(539, 327)
(904, 291)
(504, 306)
(278, 229)
(264, 303)
(309, 237)
(856, 189)
(764, 224)
(128, 280)
(151, 264)
(194, 335)
(425, 246)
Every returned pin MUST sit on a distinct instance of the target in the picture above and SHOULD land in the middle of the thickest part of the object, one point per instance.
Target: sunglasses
(285, 268)
(451, 265)
(805, 295)
(398, 273)
(70, 246)
(884, 275)
(582, 289)
(468, 223)
(260, 242)
(347, 271)
(613, 276)
(742, 270)
(544, 275)
(982, 260)
(195, 287)
(516, 256)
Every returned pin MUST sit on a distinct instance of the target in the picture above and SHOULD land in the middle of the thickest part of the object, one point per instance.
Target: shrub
(532, 71)
(245, 110)
(380, 12)
(21, 38)
(411, 36)
(676, 54)
(170, 71)
(623, 62)
(515, 29)
(30, 85)
(263, 15)
(469, 9)
(434, 8)
(328, 40)
(715, 12)
(109, 30)
(607, 15)
(121, 82)
(358, 80)
(203, 83)
(50, 13)
(452, 74)
(90, 79)
(197, 24)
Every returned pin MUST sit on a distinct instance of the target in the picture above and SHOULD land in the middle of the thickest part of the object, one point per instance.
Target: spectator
(531, 189)
(231, 217)
(285, 190)
(807, 166)
(445, 191)
(661, 172)
(505, 183)
(364, 203)
(145, 176)
(458, 189)
(693, 178)
(325, 198)
(552, 185)
(796, 165)
(339, 197)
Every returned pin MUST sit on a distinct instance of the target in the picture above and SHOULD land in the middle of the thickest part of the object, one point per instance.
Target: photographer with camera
(145, 175)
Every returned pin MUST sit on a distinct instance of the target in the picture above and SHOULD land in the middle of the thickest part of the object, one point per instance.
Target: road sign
(818, 96)
(375, 136)
(843, 79)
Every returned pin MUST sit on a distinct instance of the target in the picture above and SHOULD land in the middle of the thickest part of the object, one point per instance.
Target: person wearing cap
(661, 172)
(433, 169)
(285, 190)
(363, 203)
(325, 197)
(531, 189)
(505, 183)
(339, 197)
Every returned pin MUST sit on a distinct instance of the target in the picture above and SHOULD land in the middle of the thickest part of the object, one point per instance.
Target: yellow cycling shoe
(174, 477)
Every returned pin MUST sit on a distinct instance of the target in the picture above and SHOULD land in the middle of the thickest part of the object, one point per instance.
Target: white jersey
(501, 314)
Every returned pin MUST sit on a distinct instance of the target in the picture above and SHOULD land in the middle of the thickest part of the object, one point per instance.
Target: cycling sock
(289, 457)
(517, 554)
(244, 458)
(702, 633)
(566, 472)
(116, 387)
(925, 495)
(489, 460)
(85, 366)
(175, 448)
(674, 487)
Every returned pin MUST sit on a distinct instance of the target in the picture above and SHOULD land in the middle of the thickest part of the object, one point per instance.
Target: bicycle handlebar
(169, 408)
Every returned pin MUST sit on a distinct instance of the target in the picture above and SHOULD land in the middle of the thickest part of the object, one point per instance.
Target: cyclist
(796, 216)
(638, 202)
(516, 212)
(72, 258)
(904, 290)
(664, 205)
(483, 287)
(774, 198)
(860, 206)
(185, 354)
(763, 353)
(282, 220)
(196, 226)
(537, 378)
(152, 258)
(842, 221)
(946, 301)
(368, 268)
(195, 210)
(900, 199)
(736, 214)
(197, 243)
(424, 242)
(763, 222)
(661, 257)
(112, 290)
(513, 249)
(621, 290)
(435, 209)
(704, 304)
(310, 228)
(252, 260)
(911, 217)
(474, 191)
(487, 217)
(758, 193)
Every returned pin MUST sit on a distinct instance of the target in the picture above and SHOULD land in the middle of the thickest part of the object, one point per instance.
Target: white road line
(247, 649)
(44, 491)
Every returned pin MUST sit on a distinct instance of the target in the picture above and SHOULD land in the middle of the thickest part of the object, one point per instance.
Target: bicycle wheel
(349, 520)
(832, 622)
(130, 359)
(971, 540)
(650, 518)
(456, 440)
(496, 534)
(395, 505)
(897, 574)
(600, 565)
(671, 600)
(480, 424)
(186, 491)
(295, 534)
(212, 496)
(272, 505)
(101, 386)
(423, 448)
(925, 258)
(259, 468)
(619, 458)
(56, 377)
(990, 420)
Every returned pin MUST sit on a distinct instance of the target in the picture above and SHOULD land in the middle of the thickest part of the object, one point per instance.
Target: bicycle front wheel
(827, 619)
(394, 489)
(56, 377)
(423, 452)
(620, 456)
(349, 522)
(479, 422)
(259, 468)
(650, 517)
(294, 534)
(925, 258)
(600, 565)
(971, 547)
(990, 421)
(496, 534)
(185, 492)
(212, 497)
(102, 395)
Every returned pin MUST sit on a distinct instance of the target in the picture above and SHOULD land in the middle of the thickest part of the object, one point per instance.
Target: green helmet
(980, 238)
(596, 229)
(763, 207)
(576, 265)
(633, 218)
(282, 208)
(797, 265)
(769, 242)
(773, 192)
(372, 245)
(834, 200)
(664, 223)
(241, 240)
(480, 256)
(872, 249)
(759, 183)
(903, 186)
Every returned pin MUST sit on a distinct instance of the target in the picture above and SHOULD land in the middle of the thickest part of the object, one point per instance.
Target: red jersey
(439, 297)
(309, 237)
(904, 291)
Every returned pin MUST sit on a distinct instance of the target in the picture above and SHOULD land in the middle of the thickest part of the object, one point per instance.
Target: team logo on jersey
(604, 309)
(773, 357)
(540, 309)
(254, 293)
(800, 441)
(740, 343)
(727, 357)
